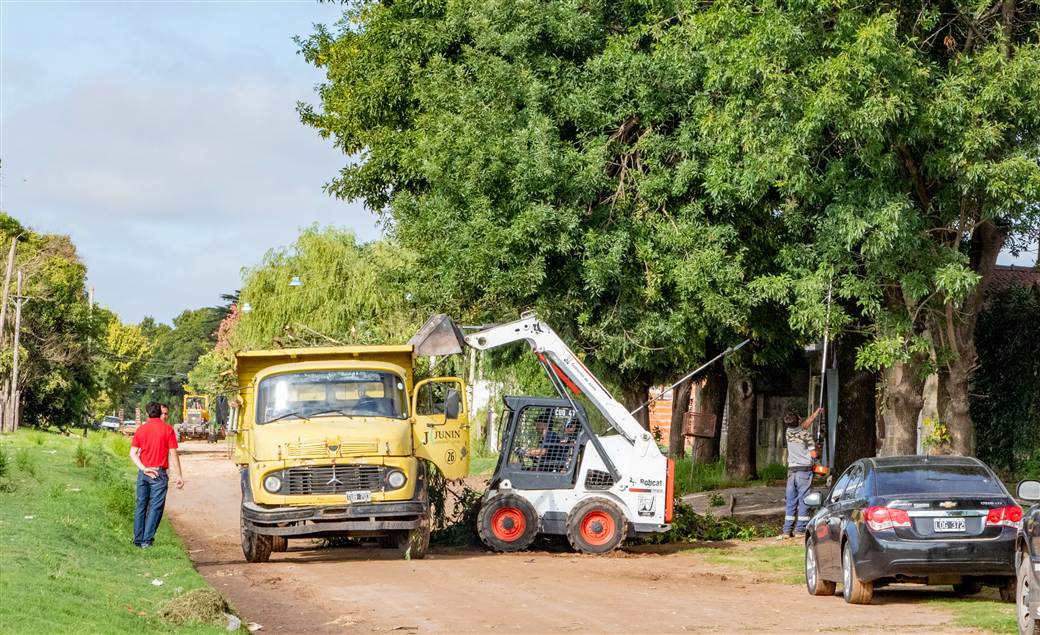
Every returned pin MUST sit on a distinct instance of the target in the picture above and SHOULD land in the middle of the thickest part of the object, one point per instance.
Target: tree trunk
(903, 401)
(680, 404)
(740, 431)
(959, 337)
(713, 401)
(856, 433)
(634, 393)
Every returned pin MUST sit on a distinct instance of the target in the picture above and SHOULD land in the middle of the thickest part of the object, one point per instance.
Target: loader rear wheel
(507, 523)
(596, 525)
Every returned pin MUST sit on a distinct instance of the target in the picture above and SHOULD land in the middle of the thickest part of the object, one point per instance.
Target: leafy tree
(652, 175)
(349, 293)
(60, 331)
(175, 351)
(125, 351)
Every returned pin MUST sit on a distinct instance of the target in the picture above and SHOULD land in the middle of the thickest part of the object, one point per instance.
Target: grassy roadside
(66, 509)
(782, 563)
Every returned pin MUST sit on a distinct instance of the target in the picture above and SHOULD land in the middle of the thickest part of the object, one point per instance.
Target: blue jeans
(151, 498)
(799, 482)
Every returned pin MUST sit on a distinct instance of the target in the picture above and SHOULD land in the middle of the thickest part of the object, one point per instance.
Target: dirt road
(365, 590)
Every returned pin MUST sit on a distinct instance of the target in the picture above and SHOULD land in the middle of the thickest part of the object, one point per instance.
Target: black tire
(855, 591)
(279, 544)
(815, 584)
(255, 547)
(1028, 622)
(413, 544)
(967, 586)
(596, 526)
(507, 523)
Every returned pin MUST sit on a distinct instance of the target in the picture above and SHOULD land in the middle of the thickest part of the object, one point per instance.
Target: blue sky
(163, 137)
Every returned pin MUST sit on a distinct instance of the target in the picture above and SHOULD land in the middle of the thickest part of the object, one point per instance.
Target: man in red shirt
(154, 444)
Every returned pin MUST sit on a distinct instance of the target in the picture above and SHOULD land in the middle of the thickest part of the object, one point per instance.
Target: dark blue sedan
(917, 519)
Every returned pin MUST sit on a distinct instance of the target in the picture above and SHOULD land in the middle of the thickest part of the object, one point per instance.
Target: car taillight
(882, 518)
(1008, 516)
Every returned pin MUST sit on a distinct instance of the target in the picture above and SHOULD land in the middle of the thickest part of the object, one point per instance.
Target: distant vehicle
(918, 519)
(128, 428)
(109, 423)
(1027, 559)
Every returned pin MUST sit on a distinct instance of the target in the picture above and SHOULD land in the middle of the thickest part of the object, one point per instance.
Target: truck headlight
(273, 484)
(396, 479)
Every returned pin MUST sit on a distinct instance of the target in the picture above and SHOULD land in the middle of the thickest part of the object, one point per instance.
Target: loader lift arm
(562, 365)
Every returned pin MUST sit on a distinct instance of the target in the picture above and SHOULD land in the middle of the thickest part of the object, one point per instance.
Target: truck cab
(338, 442)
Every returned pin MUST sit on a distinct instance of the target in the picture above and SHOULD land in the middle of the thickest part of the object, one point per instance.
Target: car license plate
(359, 497)
(949, 524)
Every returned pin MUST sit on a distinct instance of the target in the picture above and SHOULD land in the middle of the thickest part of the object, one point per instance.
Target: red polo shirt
(155, 439)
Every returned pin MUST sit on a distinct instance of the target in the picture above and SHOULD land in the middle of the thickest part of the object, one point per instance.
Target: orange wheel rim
(508, 524)
(597, 528)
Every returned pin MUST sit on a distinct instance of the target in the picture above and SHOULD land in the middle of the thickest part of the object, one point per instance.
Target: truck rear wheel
(279, 544)
(507, 523)
(255, 547)
(596, 525)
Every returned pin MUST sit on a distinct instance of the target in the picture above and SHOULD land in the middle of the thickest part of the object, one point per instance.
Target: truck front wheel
(255, 547)
(413, 544)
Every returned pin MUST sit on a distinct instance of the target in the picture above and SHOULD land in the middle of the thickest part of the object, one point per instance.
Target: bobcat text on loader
(555, 474)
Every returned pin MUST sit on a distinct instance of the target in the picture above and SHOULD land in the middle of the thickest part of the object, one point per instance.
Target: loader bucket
(439, 336)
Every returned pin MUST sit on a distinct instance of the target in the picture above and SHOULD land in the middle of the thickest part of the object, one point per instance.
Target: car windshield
(936, 479)
(330, 393)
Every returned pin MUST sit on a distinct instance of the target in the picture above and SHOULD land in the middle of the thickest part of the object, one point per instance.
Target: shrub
(25, 461)
(81, 457)
(5, 461)
(773, 472)
(689, 526)
(37, 437)
(119, 498)
(120, 446)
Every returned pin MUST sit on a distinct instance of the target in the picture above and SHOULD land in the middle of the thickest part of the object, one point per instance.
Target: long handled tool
(731, 349)
(821, 422)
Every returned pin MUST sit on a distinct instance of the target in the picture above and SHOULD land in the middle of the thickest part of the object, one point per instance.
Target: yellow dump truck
(337, 441)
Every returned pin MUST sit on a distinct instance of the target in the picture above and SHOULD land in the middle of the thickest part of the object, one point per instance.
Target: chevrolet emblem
(948, 504)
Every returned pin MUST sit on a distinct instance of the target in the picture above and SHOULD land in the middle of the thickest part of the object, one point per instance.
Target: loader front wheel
(596, 525)
(507, 523)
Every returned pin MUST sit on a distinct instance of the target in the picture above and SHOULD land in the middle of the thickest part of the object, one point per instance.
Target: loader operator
(801, 452)
(552, 452)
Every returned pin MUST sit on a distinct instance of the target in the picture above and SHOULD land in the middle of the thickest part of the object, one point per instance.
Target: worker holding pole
(801, 453)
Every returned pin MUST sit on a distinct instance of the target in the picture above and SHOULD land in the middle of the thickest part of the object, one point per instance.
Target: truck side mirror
(452, 405)
(1029, 490)
(812, 499)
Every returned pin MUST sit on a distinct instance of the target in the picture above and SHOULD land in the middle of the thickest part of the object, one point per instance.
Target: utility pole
(7, 290)
(15, 395)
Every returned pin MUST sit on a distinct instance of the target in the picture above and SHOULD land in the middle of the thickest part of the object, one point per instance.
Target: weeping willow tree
(327, 288)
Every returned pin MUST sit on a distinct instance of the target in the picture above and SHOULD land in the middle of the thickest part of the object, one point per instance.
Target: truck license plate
(359, 497)
(949, 524)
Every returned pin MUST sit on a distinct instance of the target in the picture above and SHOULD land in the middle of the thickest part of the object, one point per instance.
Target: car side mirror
(1029, 490)
(452, 404)
(813, 499)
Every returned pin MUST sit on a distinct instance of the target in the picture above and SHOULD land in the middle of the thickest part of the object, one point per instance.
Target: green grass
(693, 477)
(982, 613)
(65, 543)
(781, 563)
(482, 465)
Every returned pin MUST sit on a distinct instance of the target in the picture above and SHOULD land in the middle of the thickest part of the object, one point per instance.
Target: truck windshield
(330, 393)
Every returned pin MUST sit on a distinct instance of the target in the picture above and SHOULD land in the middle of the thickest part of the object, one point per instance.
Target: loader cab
(543, 443)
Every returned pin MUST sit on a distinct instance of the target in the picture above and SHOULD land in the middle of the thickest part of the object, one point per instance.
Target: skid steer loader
(555, 474)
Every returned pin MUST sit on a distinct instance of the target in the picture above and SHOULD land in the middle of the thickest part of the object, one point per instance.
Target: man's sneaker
(145, 545)
(784, 537)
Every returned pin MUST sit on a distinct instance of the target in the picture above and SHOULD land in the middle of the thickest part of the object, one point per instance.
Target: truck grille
(335, 479)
